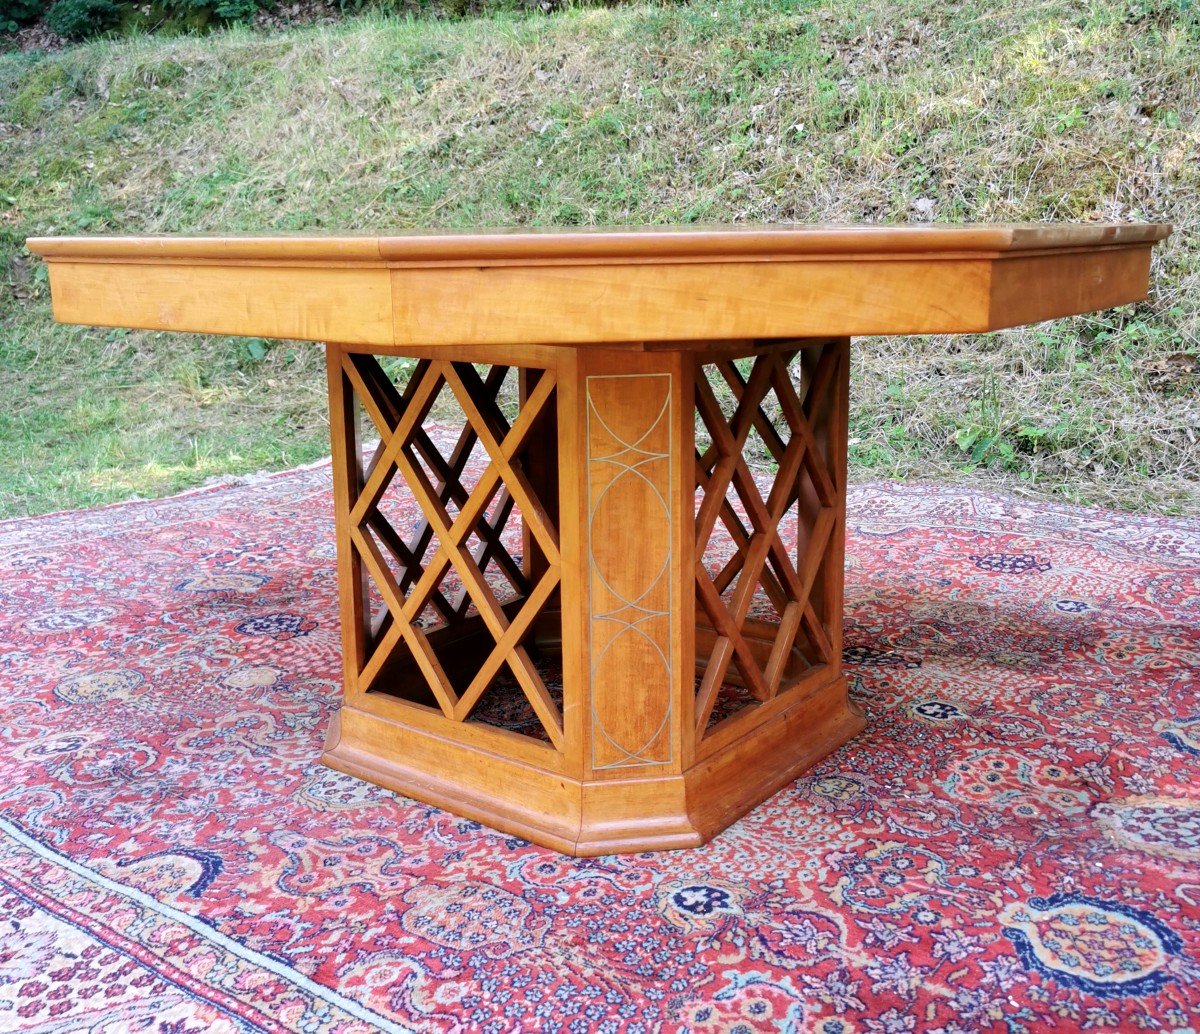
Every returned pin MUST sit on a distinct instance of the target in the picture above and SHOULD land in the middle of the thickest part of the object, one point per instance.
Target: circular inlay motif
(629, 491)
(1106, 949)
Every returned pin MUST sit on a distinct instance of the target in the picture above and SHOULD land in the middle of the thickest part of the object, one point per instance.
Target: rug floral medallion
(1012, 845)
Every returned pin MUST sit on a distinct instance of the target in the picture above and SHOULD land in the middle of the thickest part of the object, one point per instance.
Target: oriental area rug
(1013, 844)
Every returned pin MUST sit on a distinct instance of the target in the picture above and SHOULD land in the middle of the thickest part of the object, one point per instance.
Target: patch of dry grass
(717, 111)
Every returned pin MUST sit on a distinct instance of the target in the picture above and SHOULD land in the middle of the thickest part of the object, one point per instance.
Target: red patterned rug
(1012, 845)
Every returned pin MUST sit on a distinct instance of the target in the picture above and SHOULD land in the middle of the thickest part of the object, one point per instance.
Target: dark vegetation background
(309, 116)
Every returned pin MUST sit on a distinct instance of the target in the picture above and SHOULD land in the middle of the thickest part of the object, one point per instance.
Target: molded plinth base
(581, 817)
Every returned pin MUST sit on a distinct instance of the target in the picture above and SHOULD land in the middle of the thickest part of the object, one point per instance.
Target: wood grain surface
(601, 287)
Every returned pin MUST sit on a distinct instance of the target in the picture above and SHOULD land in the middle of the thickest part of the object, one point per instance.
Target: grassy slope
(749, 109)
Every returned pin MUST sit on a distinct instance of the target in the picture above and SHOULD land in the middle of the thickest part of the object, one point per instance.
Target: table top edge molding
(653, 244)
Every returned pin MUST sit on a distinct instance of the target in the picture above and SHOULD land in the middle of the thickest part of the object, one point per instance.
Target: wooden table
(699, 672)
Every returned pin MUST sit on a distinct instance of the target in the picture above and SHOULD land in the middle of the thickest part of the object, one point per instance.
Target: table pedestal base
(563, 648)
(608, 816)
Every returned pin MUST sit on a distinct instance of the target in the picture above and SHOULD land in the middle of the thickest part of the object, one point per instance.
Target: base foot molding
(595, 817)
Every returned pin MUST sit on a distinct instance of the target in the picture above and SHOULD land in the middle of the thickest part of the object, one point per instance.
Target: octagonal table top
(650, 284)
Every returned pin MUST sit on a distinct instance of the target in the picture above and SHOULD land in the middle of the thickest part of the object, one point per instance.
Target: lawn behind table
(712, 112)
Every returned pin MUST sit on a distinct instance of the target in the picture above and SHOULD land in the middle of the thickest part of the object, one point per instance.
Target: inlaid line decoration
(629, 458)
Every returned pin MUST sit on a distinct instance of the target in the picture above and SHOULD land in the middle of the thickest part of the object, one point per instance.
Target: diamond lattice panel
(757, 631)
(458, 605)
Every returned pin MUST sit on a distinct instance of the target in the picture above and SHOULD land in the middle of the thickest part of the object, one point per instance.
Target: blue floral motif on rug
(1013, 844)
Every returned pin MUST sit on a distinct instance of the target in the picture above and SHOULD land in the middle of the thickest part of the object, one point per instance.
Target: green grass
(716, 111)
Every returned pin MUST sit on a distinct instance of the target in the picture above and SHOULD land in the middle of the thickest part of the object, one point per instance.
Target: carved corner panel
(631, 513)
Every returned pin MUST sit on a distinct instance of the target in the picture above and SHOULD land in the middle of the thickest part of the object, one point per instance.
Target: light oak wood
(654, 661)
(641, 676)
(635, 494)
(656, 285)
(601, 244)
(347, 304)
(346, 442)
